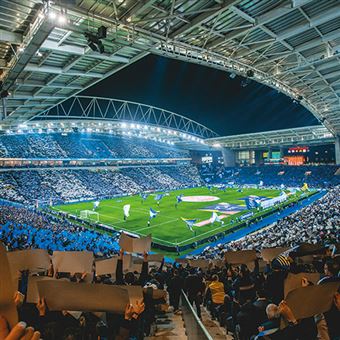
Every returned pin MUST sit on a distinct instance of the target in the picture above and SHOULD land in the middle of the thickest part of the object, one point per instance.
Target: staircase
(169, 326)
(214, 329)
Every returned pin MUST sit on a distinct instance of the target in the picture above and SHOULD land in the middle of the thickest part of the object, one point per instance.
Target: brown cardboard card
(61, 295)
(269, 254)
(72, 261)
(34, 260)
(157, 258)
(107, 266)
(135, 245)
(7, 307)
(135, 293)
(294, 281)
(32, 288)
(199, 263)
(240, 256)
(308, 301)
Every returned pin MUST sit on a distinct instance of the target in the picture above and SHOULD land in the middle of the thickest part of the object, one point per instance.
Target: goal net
(89, 215)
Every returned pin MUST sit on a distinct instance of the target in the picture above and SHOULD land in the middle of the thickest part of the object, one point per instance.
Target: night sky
(204, 94)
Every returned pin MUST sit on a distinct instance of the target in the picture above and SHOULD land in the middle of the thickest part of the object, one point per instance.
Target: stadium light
(52, 15)
(216, 145)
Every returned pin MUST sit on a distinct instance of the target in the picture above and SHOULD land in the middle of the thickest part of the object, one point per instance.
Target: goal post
(89, 215)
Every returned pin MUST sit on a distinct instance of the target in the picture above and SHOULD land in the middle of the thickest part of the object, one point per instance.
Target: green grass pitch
(168, 228)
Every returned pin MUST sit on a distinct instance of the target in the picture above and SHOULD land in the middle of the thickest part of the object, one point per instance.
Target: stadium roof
(287, 137)
(115, 116)
(290, 45)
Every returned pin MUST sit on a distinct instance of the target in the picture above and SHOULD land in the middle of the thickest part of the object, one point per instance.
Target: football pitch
(167, 227)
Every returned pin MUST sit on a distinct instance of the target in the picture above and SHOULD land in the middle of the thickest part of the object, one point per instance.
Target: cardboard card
(142, 245)
(61, 295)
(268, 254)
(155, 258)
(107, 266)
(240, 256)
(156, 293)
(7, 307)
(135, 293)
(32, 287)
(294, 281)
(34, 260)
(218, 263)
(135, 245)
(72, 261)
(199, 263)
(308, 301)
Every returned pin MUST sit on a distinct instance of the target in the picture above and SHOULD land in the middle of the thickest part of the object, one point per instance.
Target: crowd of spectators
(84, 145)
(316, 176)
(316, 223)
(23, 228)
(65, 185)
(250, 301)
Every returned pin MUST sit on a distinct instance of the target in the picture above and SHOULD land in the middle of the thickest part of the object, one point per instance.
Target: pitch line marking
(156, 225)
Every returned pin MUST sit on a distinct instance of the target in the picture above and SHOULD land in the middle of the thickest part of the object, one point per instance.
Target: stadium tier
(83, 146)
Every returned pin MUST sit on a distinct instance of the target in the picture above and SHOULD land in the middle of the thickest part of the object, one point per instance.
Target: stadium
(169, 169)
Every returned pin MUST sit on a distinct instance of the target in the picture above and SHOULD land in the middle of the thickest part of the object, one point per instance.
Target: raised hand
(41, 306)
(128, 312)
(20, 331)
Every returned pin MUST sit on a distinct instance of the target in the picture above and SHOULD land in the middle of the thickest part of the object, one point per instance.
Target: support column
(269, 153)
(258, 157)
(282, 152)
(229, 157)
(337, 150)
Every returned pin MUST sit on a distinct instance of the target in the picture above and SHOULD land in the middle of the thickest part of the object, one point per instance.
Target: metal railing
(195, 329)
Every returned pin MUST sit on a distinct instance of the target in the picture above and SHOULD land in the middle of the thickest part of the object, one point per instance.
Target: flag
(215, 218)
(305, 187)
(153, 213)
(126, 210)
(189, 223)
(292, 191)
(144, 196)
(158, 197)
(95, 205)
(252, 202)
(261, 183)
(179, 198)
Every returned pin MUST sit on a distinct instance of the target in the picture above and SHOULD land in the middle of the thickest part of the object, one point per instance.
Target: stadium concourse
(124, 220)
